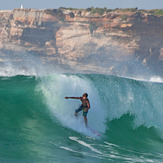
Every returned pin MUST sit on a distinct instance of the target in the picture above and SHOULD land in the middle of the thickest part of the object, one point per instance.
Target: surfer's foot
(76, 114)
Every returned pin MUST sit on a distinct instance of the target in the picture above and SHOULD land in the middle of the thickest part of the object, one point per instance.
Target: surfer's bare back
(85, 105)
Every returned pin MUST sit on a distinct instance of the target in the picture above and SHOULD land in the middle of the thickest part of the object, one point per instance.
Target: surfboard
(94, 131)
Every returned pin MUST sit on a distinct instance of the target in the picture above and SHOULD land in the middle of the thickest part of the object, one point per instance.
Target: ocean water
(38, 125)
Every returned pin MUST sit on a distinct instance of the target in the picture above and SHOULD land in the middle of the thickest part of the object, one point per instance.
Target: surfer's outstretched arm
(72, 97)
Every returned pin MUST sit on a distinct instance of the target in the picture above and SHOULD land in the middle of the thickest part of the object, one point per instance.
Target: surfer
(85, 106)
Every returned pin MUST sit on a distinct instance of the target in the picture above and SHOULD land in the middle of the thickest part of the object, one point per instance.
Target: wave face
(38, 124)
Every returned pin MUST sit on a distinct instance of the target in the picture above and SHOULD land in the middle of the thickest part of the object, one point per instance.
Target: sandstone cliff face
(113, 43)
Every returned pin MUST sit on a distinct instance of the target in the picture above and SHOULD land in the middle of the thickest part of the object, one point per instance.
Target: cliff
(115, 42)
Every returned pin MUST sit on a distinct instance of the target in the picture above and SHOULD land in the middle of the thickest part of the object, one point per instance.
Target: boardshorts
(81, 108)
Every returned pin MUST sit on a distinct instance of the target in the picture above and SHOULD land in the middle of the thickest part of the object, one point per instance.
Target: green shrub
(126, 10)
(89, 9)
(97, 10)
(156, 12)
(53, 12)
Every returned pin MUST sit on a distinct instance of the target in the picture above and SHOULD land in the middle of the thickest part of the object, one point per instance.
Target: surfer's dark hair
(85, 94)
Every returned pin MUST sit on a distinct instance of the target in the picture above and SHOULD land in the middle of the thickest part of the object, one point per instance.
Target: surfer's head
(85, 95)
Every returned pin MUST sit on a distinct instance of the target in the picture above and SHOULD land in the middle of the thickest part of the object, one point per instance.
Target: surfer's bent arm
(88, 104)
(73, 98)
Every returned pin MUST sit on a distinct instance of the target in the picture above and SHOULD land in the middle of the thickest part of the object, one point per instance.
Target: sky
(110, 4)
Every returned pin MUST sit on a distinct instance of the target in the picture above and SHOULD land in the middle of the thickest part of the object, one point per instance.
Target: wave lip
(56, 87)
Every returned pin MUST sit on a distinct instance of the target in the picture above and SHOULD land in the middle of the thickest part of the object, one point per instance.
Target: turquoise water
(38, 125)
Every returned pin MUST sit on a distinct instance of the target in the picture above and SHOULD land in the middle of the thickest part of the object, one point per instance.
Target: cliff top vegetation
(104, 10)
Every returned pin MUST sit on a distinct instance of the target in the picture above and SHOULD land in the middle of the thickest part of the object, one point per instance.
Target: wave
(110, 97)
(56, 87)
(37, 118)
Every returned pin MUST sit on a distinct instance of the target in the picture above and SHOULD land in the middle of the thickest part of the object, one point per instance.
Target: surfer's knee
(85, 114)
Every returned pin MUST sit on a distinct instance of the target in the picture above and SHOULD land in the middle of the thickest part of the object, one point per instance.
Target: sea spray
(56, 87)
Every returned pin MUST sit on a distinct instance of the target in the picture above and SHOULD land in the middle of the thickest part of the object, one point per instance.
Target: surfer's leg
(85, 119)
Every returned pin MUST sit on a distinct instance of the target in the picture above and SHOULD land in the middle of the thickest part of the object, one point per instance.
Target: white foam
(156, 79)
(9, 71)
(25, 64)
(85, 144)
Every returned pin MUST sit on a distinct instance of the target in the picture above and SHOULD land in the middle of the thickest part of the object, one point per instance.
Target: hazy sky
(42, 4)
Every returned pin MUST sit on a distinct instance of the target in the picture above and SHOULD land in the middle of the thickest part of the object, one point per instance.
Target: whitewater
(38, 125)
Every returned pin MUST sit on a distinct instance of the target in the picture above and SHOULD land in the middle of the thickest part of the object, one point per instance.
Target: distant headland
(74, 37)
